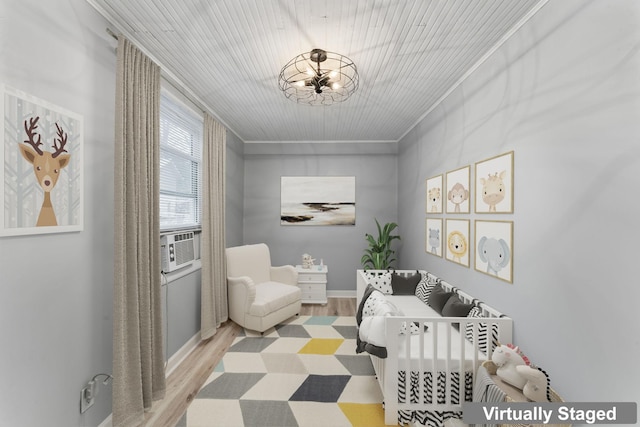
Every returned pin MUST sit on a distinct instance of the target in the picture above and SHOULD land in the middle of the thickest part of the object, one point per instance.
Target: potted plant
(378, 255)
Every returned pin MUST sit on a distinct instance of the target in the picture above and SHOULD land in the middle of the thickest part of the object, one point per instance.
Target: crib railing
(441, 356)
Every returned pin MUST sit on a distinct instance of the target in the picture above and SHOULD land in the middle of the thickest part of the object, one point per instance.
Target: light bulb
(335, 86)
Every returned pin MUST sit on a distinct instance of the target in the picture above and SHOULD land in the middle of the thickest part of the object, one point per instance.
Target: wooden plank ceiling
(409, 54)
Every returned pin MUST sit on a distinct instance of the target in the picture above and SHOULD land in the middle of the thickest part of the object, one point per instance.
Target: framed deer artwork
(41, 183)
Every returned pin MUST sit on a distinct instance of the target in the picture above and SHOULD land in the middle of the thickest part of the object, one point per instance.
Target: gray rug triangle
(302, 373)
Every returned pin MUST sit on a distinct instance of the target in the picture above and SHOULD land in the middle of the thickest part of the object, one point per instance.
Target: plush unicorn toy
(507, 358)
(537, 386)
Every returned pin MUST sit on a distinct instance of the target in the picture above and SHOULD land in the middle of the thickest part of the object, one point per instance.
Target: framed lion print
(457, 241)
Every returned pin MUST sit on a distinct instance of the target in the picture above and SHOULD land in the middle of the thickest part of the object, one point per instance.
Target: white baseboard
(175, 360)
(107, 422)
(341, 294)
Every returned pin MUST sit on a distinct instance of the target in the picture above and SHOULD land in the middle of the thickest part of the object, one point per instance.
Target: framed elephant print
(494, 184)
(457, 242)
(433, 239)
(494, 249)
(458, 196)
(434, 195)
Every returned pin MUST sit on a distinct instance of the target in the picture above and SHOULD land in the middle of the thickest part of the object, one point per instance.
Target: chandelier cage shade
(319, 77)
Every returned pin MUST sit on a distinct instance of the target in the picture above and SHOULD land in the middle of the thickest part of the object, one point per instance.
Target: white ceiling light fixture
(319, 78)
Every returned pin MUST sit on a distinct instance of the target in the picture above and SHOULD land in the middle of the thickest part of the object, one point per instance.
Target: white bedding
(409, 305)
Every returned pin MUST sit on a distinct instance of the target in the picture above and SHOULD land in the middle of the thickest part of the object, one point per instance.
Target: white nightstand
(313, 283)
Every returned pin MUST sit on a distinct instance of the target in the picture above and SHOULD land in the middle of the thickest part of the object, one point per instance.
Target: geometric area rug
(302, 373)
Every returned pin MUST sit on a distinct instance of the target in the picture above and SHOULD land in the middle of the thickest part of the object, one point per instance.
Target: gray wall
(180, 311)
(56, 289)
(564, 94)
(340, 247)
(234, 190)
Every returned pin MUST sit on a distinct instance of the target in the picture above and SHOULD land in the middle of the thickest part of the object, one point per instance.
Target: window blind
(180, 165)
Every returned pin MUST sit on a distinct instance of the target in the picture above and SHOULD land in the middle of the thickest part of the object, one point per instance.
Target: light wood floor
(185, 381)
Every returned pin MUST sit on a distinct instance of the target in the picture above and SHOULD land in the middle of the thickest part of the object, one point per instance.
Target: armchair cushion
(272, 296)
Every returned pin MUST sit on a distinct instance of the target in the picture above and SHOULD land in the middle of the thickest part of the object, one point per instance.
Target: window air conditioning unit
(177, 251)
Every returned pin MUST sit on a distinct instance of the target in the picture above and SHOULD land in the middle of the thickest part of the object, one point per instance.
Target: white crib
(427, 376)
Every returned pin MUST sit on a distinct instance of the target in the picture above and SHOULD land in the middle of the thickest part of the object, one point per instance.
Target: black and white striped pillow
(380, 281)
(425, 286)
(482, 331)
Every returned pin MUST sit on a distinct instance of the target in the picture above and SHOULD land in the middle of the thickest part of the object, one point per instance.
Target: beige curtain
(214, 308)
(138, 362)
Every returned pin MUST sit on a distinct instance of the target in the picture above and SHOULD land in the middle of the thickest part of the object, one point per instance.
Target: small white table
(313, 284)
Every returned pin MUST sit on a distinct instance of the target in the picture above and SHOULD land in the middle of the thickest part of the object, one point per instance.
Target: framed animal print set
(451, 194)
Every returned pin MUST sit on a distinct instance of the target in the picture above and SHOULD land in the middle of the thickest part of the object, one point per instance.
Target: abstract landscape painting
(318, 200)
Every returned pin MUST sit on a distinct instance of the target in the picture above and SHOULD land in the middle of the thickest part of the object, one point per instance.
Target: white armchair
(260, 296)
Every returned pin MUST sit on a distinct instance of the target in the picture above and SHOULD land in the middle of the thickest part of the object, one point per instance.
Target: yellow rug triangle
(363, 414)
(321, 346)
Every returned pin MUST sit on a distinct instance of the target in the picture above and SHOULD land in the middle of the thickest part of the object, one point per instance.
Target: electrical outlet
(87, 399)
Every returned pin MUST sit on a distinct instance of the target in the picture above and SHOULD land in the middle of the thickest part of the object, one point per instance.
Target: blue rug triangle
(321, 320)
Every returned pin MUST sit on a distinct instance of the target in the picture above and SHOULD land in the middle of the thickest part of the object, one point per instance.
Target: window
(180, 165)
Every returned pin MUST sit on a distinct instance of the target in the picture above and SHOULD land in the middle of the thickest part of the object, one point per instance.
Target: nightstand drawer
(312, 277)
(316, 298)
(312, 287)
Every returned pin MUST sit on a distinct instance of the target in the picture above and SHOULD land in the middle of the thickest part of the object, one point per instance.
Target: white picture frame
(317, 200)
(47, 198)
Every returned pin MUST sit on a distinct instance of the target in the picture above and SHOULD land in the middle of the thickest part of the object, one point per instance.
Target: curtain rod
(111, 33)
(182, 90)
